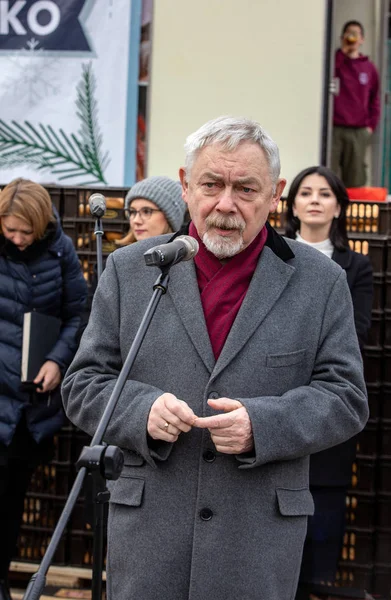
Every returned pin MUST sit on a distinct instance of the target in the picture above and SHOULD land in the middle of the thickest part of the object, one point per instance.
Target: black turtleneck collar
(32, 252)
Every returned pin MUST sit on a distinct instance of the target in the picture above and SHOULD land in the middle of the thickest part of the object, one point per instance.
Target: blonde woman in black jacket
(39, 271)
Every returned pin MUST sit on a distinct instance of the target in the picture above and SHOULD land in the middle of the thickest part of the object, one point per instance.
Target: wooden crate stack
(366, 556)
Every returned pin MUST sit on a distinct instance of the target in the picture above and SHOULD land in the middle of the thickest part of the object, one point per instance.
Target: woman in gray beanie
(154, 206)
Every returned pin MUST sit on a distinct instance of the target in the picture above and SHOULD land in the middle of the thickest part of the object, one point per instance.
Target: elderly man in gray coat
(250, 365)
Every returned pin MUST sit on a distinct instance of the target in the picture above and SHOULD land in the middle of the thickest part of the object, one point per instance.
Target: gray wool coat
(186, 522)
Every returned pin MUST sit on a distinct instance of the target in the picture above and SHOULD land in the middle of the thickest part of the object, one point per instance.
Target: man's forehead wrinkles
(212, 174)
(238, 178)
(245, 165)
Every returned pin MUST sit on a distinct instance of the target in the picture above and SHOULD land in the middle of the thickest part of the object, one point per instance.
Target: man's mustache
(225, 222)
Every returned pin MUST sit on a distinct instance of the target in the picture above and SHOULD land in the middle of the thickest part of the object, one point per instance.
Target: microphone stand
(103, 462)
(98, 490)
(98, 231)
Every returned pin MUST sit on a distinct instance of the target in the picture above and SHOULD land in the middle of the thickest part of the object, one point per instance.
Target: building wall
(252, 58)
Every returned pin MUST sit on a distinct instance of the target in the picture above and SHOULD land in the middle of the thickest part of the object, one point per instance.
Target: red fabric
(224, 286)
(358, 103)
(370, 194)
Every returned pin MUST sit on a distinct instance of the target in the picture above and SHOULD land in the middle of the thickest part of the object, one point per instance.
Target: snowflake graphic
(32, 80)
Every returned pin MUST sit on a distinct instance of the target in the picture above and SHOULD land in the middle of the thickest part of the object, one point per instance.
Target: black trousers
(14, 481)
(323, 544)
(17, 465)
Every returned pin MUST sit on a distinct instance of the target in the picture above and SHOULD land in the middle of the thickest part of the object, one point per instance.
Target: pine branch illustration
(66, 156)
(91, 138)
(43, 148)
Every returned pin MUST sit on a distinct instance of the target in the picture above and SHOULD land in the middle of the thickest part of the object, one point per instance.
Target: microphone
(97, 204)
(184, 247)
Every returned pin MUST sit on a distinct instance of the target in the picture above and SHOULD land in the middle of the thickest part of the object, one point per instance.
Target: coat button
(206, 514)
(209, 456)
(214, 395)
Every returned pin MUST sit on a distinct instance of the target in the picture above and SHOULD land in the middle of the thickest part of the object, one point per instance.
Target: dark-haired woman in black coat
(316, 215)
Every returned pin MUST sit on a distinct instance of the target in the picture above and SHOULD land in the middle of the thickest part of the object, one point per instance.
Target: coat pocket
(132, 459)
(285, 360)
(295, 502)
(128, 491)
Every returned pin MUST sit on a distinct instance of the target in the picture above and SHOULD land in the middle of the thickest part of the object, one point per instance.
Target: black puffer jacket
(46, 277)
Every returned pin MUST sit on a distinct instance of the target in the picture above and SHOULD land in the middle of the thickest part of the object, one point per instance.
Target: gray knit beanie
(165, 193)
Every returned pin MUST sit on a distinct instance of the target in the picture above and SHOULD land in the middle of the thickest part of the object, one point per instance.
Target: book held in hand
(40, 333)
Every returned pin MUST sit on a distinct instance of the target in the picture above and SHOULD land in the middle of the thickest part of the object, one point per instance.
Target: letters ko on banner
(56, 22)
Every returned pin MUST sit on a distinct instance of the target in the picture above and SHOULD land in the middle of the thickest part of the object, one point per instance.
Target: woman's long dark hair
(337, 234)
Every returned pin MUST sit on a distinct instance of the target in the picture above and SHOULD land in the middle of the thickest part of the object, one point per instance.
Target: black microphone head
(183, 247)
(191, 244)
(97, 204)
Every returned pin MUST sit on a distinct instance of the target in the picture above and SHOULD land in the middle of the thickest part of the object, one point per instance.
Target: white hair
(230, 132)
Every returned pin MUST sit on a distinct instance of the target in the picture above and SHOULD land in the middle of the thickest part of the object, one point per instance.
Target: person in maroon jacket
(356, 107)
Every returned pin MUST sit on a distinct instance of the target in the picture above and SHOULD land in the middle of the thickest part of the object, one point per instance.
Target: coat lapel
(269, 281)
(183, 289)
(343, 258)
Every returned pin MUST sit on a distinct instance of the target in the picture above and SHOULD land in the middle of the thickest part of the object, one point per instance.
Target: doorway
(374, 15)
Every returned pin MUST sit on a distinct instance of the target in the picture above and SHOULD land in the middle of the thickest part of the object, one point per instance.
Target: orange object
(369, 194)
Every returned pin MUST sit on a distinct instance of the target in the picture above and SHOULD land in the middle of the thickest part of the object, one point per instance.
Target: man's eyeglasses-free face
(145, 212)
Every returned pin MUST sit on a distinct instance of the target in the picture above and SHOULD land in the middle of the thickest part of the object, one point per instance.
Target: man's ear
(281, 183)
(185, 185)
